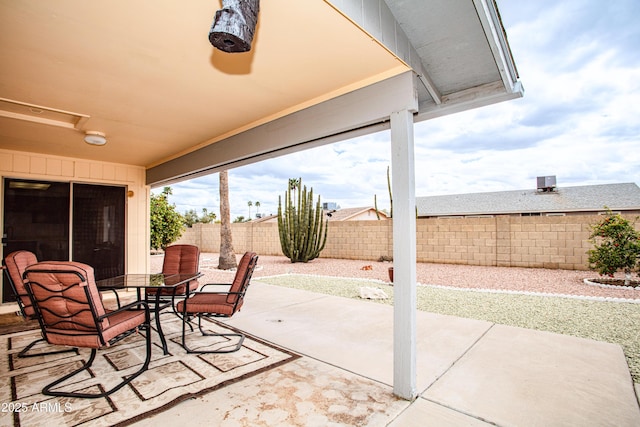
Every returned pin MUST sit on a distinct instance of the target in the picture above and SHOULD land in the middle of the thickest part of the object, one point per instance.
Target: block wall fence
(555, 242)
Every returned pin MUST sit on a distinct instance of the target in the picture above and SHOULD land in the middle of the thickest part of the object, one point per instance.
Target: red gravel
(568, 282)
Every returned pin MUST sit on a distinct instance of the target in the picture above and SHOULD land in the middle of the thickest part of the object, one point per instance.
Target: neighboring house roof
(355, 214)
(348, 214)
(266, 218)
(588, 198)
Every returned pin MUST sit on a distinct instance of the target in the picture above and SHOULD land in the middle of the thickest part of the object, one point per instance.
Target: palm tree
(227, 259)
(293, 185)
(257, 208)
(249, 203)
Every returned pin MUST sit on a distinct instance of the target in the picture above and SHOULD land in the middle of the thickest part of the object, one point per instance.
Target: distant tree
(207, 217)
(249, 203)
(190, 217)
(239, 218)
(166, 222)
(257, 209)
(227, 258)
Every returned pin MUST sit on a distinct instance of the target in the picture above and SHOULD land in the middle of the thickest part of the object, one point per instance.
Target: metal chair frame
(94, 329)
(23, 312)
(246, 274)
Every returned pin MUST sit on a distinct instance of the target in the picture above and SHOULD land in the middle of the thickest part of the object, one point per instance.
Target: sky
(579, 119)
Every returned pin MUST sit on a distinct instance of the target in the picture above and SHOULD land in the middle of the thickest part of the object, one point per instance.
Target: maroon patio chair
(14, 266)
(216, 304)
(71, 313)
(178, 259)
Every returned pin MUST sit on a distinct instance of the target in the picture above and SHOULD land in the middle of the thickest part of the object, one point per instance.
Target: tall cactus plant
(303, 233)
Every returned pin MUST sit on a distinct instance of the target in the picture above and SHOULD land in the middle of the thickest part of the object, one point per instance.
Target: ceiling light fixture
(95, 138)
(234, 25)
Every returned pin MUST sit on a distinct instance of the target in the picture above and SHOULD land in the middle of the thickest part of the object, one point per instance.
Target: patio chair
(71, 313)
(14, 266)
(178, 259)
(217, 304)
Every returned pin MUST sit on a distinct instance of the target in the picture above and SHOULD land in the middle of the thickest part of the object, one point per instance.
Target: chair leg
(48, 392)
(23, 352)
(208, 334)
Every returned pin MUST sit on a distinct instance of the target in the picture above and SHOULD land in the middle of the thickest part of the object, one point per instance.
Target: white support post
(404, 255)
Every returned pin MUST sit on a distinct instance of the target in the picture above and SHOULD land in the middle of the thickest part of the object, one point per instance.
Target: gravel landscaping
(550, 300)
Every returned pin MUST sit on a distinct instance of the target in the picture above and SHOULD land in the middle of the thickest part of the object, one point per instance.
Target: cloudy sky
(579, 62)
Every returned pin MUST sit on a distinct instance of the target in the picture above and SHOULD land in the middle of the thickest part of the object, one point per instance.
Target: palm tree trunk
(227, 259)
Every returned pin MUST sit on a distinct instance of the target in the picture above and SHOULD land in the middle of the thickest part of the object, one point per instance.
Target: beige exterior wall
(15, 164)
(506, 241)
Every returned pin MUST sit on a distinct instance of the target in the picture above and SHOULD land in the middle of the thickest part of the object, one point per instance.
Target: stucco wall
(22, 165)
(541, 242)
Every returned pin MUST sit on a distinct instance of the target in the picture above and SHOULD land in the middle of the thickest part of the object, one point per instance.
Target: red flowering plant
(616, 246)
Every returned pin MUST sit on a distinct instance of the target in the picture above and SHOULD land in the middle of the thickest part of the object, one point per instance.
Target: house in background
(366, 213)
(543, 201)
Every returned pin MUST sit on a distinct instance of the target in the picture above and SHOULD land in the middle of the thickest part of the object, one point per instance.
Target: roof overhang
(320, 71)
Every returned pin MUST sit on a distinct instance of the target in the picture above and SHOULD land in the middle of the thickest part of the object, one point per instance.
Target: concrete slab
(304, 392)
(515, 376)
(423, 413)
(355, 335)
(472, 373)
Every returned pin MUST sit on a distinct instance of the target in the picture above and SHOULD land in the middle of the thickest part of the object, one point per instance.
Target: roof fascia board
(356, 113)
(376, 19)
(480, 96)
(494, 31)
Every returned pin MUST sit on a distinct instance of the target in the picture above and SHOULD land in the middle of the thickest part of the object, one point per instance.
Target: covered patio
(171, 107)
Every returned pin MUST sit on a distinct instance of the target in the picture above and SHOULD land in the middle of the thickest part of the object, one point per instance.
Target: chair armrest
(127, 307)
(216, 293)
(214, 284)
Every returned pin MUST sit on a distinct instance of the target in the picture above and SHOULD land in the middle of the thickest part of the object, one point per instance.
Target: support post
(404, 255)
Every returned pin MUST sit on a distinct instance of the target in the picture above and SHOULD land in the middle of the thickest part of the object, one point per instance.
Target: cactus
(303, 233)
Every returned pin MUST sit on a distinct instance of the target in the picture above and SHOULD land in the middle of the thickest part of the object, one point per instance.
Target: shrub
(166, 221)
(616, 246)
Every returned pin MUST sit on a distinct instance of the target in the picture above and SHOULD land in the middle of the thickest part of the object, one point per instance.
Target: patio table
(141, 282)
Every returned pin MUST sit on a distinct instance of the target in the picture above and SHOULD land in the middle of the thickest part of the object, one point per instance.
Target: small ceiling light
(95, 138)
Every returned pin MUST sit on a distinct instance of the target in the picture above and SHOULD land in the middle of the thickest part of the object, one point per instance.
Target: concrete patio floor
(469, 372)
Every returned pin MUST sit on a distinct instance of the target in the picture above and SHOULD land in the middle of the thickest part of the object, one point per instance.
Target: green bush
(616, 246)
(166, 222)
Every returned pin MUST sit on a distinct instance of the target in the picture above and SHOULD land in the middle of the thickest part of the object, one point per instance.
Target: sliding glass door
(98, 228)
(59, 221)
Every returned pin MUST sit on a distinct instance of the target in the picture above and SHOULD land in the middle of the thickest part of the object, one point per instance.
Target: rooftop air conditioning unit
(547, 183)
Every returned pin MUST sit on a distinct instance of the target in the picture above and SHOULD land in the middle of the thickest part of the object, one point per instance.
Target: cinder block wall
(506, 241)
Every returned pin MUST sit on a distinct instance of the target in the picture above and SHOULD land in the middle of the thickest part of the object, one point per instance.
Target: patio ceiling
(145, 74)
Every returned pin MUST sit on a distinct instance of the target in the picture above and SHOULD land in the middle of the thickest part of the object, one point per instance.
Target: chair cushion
(16, 263)
(181, 259)
(51, 277)
(241, 278)
(208, 303)
(118, 323)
